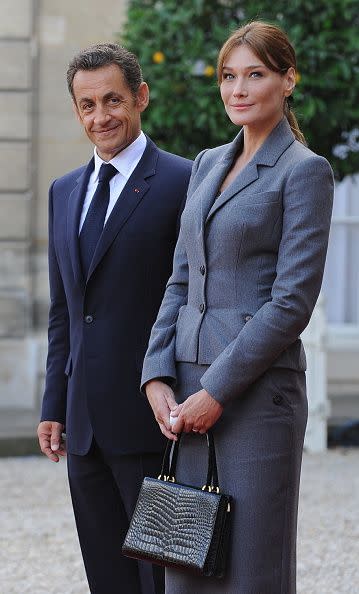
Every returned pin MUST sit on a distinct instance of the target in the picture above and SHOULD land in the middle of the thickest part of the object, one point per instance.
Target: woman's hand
(198, 413)
(162, 401)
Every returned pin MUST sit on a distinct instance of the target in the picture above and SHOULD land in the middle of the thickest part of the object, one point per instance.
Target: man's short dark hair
(105, 54)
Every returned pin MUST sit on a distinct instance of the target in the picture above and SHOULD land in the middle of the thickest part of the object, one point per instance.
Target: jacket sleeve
(54, 400)
(159, 361)
(307, 208)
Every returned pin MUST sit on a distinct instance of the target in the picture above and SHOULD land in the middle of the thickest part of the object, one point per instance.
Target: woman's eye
(228, 76)
(255, 74)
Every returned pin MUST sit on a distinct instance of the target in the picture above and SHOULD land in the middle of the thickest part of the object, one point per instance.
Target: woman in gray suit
(225, 350)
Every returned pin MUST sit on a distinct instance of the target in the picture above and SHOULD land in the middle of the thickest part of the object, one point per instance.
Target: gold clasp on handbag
(210, 489)
(166, 478)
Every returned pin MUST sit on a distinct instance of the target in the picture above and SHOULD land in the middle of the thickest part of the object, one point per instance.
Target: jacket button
(88, 319)
(277, 399)
(202, 270)
(201, 307)
(248, 317)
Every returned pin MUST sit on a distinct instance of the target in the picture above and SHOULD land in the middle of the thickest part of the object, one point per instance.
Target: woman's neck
(253, 138)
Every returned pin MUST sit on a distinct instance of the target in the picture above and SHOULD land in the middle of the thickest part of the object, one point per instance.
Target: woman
(247, 272)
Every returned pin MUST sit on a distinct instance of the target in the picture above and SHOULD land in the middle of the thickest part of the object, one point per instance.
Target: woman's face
(253, 95)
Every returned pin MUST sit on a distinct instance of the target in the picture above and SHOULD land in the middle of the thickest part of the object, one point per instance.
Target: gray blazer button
(88, 319)
(202, 270)
(277, 399)
(248, 317)
(201, 307)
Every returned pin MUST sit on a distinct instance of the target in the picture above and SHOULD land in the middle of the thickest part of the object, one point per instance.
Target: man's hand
(198, 413)
(50, 439)
(162, 401)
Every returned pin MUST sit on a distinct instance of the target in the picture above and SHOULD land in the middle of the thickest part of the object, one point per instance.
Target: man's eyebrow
(106, 96)
(113, 94)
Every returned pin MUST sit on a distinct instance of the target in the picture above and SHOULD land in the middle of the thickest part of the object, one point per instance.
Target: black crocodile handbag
(178, 525)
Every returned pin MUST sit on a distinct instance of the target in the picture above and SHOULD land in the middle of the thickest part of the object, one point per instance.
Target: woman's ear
(289, 82)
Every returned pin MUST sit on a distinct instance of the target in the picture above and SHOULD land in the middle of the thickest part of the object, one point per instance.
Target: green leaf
(186, 113)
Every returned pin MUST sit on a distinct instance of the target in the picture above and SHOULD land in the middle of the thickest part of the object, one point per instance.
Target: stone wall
(40, 139)
(18, 62)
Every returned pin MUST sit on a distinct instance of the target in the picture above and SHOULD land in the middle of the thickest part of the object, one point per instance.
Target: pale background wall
(39, 140)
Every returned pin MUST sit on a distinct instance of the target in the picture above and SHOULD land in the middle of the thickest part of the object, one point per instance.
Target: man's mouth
(106, 130)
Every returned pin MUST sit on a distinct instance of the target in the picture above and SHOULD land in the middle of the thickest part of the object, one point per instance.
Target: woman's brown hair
(272, 46)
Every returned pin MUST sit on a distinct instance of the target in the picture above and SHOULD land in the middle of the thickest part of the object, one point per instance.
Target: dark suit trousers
(104, 492)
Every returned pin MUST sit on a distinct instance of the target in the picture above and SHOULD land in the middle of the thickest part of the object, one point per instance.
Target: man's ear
(142, 96)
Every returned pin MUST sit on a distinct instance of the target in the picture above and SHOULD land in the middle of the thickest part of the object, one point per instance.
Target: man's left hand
(198, 413)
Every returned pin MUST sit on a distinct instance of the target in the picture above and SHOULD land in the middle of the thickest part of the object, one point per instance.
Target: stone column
(17, 93)
(40, 140)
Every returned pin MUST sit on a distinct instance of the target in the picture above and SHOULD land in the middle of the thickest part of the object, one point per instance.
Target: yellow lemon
(209, 71)
(158, 57)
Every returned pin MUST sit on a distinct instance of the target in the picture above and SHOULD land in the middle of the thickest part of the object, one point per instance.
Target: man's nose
(101, 115)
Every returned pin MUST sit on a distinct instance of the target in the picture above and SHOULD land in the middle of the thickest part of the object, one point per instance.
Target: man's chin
(107, 153)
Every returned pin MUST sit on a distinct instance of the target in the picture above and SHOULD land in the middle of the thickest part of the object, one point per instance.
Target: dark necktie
(95, 218)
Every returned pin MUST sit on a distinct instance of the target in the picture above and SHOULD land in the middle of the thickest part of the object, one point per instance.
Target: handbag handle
(168, 471)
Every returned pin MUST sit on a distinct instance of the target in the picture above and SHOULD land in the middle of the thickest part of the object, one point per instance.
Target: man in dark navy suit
(113, 225)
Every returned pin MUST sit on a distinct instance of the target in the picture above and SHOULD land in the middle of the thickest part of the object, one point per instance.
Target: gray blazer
(248, 265)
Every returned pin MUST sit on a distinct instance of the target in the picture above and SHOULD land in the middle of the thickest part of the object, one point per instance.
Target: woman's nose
(240, 89)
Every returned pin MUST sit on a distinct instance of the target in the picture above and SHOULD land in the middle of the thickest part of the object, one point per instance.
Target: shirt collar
(125, 161)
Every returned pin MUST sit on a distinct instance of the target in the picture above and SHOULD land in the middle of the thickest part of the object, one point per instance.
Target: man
(112, 231)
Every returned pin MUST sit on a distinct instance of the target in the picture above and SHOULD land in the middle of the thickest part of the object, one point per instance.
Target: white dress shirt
(125, 162)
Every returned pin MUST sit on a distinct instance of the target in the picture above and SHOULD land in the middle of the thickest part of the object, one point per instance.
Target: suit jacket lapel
(131, 195)
(75, 203)
(206, 192)
(268, 154)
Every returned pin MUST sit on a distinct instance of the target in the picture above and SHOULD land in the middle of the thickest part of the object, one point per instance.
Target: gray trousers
(259, 443)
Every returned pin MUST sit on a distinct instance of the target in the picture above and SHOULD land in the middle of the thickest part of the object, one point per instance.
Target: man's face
(108, 111)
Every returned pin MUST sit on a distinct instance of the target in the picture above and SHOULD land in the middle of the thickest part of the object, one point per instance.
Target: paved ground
(39, 553)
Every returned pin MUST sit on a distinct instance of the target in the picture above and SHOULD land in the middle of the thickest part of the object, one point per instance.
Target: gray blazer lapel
(248, 175)
(207, 191)
(74, 208)
(268, 154)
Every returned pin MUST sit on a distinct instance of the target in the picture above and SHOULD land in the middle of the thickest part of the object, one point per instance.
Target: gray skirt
(259, 443)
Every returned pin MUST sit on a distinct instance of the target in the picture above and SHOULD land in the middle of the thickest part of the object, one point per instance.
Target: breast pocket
(260, 215)
(261, 218)
(260, 198)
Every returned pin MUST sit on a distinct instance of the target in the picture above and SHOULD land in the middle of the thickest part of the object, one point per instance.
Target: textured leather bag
(178, 525)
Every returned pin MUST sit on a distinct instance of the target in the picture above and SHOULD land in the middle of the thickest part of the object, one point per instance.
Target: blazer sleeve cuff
(170, 381)
(214, 386)
(155, 370)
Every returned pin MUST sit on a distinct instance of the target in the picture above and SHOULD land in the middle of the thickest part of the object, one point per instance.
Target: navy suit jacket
(99, 326)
